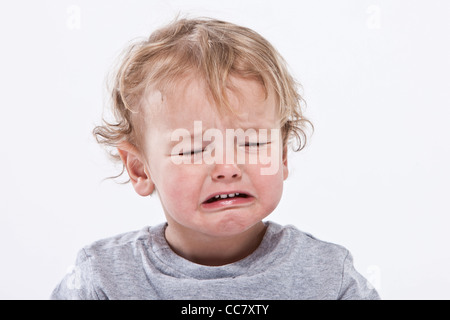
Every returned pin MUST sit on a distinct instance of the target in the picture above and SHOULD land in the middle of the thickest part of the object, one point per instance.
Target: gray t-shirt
(288, 264)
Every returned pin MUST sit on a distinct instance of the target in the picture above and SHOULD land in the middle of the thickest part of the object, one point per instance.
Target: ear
(133, 161)
(285, 163)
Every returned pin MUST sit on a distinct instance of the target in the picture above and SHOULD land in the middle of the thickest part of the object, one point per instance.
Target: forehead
(190, 101)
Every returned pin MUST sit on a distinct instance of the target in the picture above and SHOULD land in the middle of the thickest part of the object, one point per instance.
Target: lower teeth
(220, 198)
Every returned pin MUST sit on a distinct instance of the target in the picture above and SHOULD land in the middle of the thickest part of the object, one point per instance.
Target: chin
(232, 224)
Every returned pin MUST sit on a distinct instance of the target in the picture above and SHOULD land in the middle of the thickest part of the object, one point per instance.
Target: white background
(374, 178)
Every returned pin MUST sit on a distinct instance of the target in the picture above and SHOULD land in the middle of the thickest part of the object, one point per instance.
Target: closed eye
(190, 153)
(255, 144)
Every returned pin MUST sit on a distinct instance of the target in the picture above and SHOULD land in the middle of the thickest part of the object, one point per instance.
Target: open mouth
(224, 196)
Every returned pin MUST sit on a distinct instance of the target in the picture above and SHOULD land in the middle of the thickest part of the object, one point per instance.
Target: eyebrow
(192, 136)
(181, 137)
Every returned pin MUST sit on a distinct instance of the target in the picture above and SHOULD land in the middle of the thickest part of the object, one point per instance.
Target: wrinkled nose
(226, 172)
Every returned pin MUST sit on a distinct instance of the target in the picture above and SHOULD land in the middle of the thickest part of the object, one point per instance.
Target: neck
(214, 251)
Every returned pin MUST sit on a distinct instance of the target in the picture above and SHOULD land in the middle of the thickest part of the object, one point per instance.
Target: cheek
(178, 187)
(270, 187)
(272, 182)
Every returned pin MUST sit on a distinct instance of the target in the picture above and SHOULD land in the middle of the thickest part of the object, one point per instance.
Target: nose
(226, 172)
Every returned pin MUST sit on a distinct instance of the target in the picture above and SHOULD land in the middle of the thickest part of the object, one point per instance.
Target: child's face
(184, 187)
